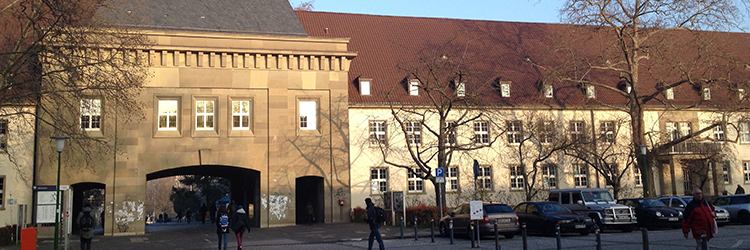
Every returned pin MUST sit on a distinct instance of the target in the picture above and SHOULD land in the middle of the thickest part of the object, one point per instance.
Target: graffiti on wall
(276, 205)
(128, 212)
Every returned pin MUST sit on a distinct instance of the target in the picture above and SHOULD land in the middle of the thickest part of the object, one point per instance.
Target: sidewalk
(197, 236)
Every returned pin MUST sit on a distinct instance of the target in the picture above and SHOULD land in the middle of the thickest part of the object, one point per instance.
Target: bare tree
(638, 49)
(53, 55)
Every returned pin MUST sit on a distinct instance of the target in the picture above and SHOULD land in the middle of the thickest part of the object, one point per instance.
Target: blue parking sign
(439, 172)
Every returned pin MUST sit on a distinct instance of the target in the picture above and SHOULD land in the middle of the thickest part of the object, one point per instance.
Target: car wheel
(744, 217)
(509, 236)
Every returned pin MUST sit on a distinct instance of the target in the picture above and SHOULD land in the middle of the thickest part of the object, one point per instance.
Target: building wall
(16, 164)
(272, 71)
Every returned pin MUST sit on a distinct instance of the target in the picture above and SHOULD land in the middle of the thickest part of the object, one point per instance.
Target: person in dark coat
(222, 226)
(240, 222)
(87, 222)
(699, 218)
(372, 215)
(739, 190)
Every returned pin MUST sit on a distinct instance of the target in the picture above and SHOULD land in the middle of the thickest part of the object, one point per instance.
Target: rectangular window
(514, 132)
(706, 94)
(549, 175)
(414, 182)
(505, 89)
(379, 180)
(2, 192)
(484, 178)
(91, 114)
(377, 133)
(3, 135)
(481, 132)
(726, 173)
(590, 91)
(451, 179)
(414, 87)
(204, 115)
(516, 177)
(364, 87)
(414, 132)
(607, 131)
(669, 94)
(168, 112)
(241, 115)
(549, 91)
(308, 115)
(580, 175)
(745, 132)
(687, 185)
(461, 89)
(719, 134)
(577, 131)
(672, 131)
(637, 176)
(546, 131)
(450, 130)
(746, 171)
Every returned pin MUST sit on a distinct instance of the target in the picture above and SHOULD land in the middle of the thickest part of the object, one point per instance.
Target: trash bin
(28, 238)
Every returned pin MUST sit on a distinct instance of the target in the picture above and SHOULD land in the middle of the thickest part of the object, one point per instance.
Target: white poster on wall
(45, 210)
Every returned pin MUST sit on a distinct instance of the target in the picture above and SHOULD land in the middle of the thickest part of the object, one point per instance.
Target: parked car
(737, 205)
(680, 202)
(507, 221)
(653, 213)
(541, 217)
(598, 205)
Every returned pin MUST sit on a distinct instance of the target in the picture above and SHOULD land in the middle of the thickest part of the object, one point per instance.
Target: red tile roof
(387, 44)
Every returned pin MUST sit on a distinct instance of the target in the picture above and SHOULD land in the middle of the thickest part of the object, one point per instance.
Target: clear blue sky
(544, 11)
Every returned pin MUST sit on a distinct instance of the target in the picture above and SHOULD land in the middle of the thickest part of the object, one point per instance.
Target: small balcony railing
(691, 147)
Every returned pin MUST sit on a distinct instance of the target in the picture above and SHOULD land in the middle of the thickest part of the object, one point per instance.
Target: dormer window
(414, 87)
(669, 94)
(741, 94)
(549, 91)
(364, 86)
(461, 89)
(706, 94)
(590, 91)
(505, 89)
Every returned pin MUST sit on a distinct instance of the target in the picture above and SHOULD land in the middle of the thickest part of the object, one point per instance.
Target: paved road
(353, 236)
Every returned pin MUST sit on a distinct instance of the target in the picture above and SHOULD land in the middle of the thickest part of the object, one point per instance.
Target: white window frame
(546, 131)
(726, 172)
(517, 180)
(669, 93)
(505, 89)
(307, 119)
(4, 131)
(413, 87)
(378, 180)
(163, 111)
(239, 113)
(91, 113)
(549, 175)
(706, 93)
(746, 171)
(514, 131)
(450, 138)
(549, 91)
(744, 132)
(637, 176)
(590, 91)
(580, 175)
(451, 179)
(414, 184)
(207, 115)
(607, 129)
(720, 133)
(673, 132)
(365, 87)
(482, 132)
(378, 132)
(413, 132)
(577, 130)
(461, 89)
(484, 177)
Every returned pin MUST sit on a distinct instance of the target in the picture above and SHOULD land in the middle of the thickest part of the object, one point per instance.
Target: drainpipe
(35, 157)
(593, 140)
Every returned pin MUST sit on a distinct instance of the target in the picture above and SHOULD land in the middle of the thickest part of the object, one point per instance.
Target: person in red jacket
(699, 218)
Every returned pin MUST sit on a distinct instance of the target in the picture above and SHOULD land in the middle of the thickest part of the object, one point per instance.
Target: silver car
(737, 205)
(680, 202)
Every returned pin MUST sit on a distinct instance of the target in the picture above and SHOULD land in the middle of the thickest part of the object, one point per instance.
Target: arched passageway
(88, 193)
(309, 200)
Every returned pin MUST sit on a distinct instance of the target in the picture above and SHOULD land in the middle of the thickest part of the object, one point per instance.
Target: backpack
(87, 222)
(379, 215)
(224, 223)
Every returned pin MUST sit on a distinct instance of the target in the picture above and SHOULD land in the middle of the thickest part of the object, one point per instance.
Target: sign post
(476, 213)
(440, 180)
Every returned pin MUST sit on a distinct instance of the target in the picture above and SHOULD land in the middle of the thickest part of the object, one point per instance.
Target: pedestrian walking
(739, 190)
(87, 223)
(240, 222)
(375, 218)
(699, 218)
(222, 226)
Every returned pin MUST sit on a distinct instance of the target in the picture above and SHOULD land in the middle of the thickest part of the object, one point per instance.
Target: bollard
(415, 228)
(497, 238)
(471, 231)
(478, 232)
(450, 227)
(523, 236)
(598, 239)
(402, 224)
(704, 242)
(557, 236)
(432, 230)
(644, 234)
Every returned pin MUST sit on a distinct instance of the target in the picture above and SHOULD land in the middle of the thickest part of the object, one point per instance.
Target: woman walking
(240, 223)
(222, 226)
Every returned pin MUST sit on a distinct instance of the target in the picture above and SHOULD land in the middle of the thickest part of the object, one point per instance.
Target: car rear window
(497, 209)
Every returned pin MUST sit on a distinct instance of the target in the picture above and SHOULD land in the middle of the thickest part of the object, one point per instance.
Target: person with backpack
(222, 226)
(86, 223)
(240, 222)
(375, 218)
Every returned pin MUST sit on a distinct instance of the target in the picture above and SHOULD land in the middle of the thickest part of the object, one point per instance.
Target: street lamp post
(59, 146)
